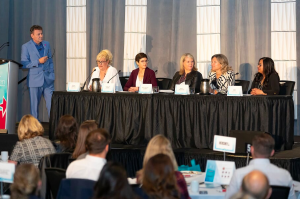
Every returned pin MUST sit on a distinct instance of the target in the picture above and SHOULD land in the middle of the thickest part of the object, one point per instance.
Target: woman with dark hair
(159, 180)
(113, 183)
(66, 133)
(141, 75)
(266, 80)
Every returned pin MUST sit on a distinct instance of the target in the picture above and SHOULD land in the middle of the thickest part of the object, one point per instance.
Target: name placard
(224, 144)
(219, 172)
(145, 89)
(7, 171)
(73, 87)
(235, 91)
(182, 89)
(108, 88)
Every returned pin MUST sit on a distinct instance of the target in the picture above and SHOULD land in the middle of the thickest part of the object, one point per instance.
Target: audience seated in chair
(97, 144)
(113, 183)
(262, 148)
(26, 182)
(75, 189)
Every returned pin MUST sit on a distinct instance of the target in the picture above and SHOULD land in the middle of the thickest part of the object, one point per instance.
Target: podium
(8, 94)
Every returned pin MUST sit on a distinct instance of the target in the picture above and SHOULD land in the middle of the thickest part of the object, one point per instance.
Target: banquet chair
(280, 192)
(286, 87)
(123, 80)
(163, 83)
(243, 83)
(54, 177)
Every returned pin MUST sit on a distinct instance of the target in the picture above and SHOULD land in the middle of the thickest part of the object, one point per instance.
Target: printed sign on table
(219, 172)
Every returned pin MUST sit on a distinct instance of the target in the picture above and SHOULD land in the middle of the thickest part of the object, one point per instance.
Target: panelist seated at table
(105, 71)
(141, 75)
(187, 73)
(221, 75)
(266, 80)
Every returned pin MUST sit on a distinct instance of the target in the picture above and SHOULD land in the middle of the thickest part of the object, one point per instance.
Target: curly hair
(222, 59)
(268, 69)
(29, 127)
(66, 131)
(105, 54)
(182, 59)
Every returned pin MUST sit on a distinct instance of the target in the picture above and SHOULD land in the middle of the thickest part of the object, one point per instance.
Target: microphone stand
(114, 76)
(81, 90)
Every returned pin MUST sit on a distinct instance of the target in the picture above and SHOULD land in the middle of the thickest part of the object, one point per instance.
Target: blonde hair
(222, 59)
(182, 59)
(105, 54)
(157, 145)
(26, 179)
(29, 127)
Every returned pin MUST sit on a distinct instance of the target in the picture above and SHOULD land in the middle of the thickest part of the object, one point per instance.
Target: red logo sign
(3, 114)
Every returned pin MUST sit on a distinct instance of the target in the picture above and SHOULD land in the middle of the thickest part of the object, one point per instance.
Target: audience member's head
(84, 129)
(66, 132)
(97, 142)
(26, 182)
(257, 185)
(159, 179)
(113, 183)
(29, 127)
(241, 195)
(262, 146)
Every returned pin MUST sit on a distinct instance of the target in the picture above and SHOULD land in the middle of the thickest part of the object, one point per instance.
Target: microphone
(86, 80)
(236, 73)
(3, 45)
(114, 76)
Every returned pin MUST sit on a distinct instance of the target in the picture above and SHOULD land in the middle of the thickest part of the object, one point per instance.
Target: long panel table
(189, 121)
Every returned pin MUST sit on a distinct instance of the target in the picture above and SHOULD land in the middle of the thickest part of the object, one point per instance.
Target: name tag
(73, 87)
(182, 89)
(7, 171)
(108, 88)
(235, 91)
(224, 144)
(219, 172)
(145, 89)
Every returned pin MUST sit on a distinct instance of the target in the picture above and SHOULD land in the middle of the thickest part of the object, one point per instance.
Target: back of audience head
(29, 127)
(84, 129)
(97, 142)
(67, 131)
(262, 146)
(159, 179)
(26, 182)
(113, 183)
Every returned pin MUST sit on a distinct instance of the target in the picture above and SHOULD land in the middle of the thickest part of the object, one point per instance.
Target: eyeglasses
(144, 61)
(52, 53)
(100, 62)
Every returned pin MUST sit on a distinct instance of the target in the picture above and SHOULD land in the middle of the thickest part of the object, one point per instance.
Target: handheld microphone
(86, 80)
(114, 76)
(3, 45)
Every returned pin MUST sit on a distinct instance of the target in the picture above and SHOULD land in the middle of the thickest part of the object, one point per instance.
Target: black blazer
(193, 79)
(272, 87)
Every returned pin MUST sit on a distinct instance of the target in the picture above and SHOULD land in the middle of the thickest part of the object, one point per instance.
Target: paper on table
(166, 91)
(131, 180)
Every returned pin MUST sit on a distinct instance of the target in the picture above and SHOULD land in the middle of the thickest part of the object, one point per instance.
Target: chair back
(76, 189)
(123, 80)
(286, 87)
(280, 192)
(243, 83)
(8, 141)
(163, 83)
(54, 177)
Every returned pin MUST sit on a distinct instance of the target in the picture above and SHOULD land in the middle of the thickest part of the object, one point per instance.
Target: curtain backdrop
(298, 62)
(16, 18)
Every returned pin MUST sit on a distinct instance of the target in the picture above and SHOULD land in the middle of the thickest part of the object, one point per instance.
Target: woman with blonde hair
(188, 73)
(221, 75)
(159, 144)
(105, 72)
(32, 146)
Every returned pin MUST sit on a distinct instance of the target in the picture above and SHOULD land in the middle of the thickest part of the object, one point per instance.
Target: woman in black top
(266, 81)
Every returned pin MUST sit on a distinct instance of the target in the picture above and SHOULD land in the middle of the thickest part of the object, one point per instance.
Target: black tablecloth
(189, 121)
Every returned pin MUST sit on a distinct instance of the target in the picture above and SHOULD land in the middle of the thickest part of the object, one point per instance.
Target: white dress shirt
(138, 82)
(277, 176)
(111, 71)
(87, 168)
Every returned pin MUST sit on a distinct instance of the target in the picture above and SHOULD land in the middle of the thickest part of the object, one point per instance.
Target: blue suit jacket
(38, 73)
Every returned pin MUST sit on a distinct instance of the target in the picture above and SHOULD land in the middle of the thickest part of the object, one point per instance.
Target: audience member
(84, 129)
(32, 146)
(66, 133)
(159, 180)
(113, 183)
(26, 182)
(262, 148)
(97, 144)
(160, 144)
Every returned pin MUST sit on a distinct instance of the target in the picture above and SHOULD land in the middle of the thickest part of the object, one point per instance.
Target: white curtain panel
(76, 19)
(76, 70)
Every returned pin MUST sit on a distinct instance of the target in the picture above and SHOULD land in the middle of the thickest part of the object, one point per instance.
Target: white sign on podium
(224, 144)
(219, 172)
(7, 171)
(73, 87)
(145, 89)
(182, 89)
(235, 91)
(108, 88)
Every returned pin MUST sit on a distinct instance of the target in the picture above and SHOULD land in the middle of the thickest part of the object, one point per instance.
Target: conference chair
(75, 189)
(286, 87)
(280, 192)
(244, 84)
(123, 80)
(54, 177)
(8, 141)
(163, 83)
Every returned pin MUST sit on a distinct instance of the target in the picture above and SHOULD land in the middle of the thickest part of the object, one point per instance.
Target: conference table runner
(189, 121)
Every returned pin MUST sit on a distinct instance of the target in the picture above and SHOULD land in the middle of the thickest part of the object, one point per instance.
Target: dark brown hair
(263, 144)
(96, 141)
(268, 69)
(66, 131)
(35, 27)
(84, 129)
(140, 56)
(159, 178)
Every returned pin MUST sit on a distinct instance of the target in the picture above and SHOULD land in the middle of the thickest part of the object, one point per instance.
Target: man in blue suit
(36, 56)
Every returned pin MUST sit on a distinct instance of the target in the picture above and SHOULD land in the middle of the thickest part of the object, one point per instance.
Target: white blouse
(111, 71)
(138, 83)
